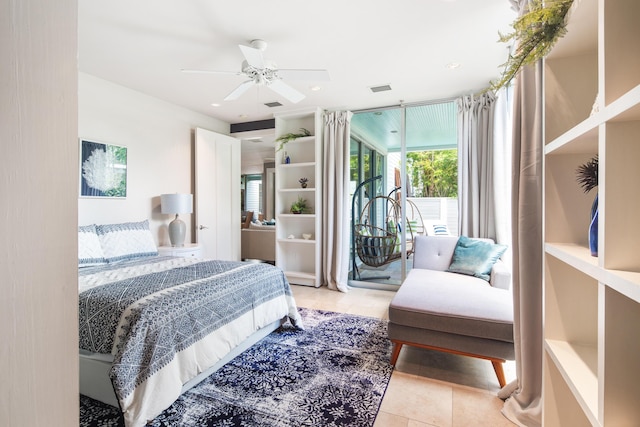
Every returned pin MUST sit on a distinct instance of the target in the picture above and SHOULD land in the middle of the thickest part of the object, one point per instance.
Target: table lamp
(176, 204)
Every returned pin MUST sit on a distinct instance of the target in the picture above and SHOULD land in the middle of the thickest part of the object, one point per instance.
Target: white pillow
(89, 249)
(126, 240)
(436, 228)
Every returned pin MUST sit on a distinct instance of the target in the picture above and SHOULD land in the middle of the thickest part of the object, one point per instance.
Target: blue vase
(593, 228)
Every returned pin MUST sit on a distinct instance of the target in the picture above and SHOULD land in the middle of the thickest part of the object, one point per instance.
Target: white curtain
(524, 395)
(476, 200)
(335, 205)
(503, 141)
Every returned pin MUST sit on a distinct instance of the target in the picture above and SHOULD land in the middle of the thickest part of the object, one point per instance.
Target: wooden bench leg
(497, 363)
(397, 346)
(497, 366)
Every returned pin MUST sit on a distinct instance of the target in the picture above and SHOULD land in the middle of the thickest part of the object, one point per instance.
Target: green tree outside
(433, 173)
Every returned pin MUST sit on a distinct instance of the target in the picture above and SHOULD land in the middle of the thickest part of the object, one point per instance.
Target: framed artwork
(103, 170)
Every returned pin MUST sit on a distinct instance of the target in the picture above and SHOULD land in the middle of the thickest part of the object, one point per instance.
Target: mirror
(270, 191)
(258, 193)
(251, 194)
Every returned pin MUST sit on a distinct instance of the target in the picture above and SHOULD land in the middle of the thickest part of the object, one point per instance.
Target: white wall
(159, 140)
(253, 159)
(38, 245)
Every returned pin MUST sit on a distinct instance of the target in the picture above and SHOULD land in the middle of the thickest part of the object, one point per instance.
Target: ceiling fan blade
(239, 90)
(293, 74)
(231, 73)
(253, 56)
(285, 90)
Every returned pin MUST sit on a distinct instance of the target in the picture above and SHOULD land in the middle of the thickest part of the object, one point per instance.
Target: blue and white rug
(334, 373)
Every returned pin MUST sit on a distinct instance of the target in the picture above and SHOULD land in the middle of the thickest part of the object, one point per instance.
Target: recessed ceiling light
(453, 65)
(315, 88)
(243, 116)
(215, 105)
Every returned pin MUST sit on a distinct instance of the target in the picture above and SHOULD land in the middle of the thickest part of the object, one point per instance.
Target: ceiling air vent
(273, 104)
(381, 88)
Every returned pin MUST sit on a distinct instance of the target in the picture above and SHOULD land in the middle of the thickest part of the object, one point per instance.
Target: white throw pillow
(126, 240)
(89, 249)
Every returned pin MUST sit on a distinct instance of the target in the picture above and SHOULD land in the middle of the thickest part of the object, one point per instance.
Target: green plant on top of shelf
(534, 33)
(288, 137)
(299, 206)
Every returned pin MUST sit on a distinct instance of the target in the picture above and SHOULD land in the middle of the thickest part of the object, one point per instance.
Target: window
(252, 194)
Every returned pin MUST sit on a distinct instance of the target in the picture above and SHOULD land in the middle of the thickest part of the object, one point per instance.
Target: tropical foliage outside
(433, 173)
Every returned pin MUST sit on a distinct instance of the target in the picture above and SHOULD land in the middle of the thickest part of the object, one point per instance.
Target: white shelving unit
(299, 258)
(591, 304)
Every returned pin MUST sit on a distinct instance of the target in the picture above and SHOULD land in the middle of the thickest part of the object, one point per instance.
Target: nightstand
(188, 250)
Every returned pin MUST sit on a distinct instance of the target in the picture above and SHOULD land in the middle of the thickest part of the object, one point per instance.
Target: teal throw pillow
(475, 257)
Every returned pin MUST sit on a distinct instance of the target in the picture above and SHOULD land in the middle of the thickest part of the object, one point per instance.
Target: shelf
(304, 241)
(578, 366)
(294, 165)
(299, 274)
(291, 190)
(583, 138)
(301, 278)
(591, 311)
(300, 259)
(626, 108)
(301, 140)
(626, 283)
(578, 257)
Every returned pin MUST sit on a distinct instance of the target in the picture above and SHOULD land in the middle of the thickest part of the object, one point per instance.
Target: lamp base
(177, 232)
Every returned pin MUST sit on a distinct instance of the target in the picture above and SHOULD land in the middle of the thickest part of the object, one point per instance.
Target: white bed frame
(94, 368)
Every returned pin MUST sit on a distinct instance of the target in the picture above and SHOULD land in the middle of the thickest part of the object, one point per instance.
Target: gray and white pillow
(89, 249)
(127, 240)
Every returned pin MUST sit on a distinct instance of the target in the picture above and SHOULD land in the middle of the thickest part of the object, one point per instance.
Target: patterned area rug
(334, 373)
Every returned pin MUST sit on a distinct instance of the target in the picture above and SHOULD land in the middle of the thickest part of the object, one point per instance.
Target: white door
(217, 191)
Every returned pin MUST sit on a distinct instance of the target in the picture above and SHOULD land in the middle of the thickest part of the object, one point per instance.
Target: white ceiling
(406, 44)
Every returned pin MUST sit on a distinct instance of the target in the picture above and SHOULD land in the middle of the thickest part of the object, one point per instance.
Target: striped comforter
(165, 320)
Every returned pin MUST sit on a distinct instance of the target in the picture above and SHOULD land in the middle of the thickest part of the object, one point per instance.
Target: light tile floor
(427, 388)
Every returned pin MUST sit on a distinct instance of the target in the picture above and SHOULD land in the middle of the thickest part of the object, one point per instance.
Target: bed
(151, 327)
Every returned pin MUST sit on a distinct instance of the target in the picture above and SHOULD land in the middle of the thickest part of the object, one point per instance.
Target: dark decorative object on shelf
(303, 182)
(587, 176)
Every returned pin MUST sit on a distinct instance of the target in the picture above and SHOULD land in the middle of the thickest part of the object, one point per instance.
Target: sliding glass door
(411, 146)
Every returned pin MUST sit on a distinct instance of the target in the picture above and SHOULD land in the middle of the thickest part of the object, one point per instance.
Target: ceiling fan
(265, 73)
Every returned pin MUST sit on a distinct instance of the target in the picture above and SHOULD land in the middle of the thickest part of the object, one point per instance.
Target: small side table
(188, 250)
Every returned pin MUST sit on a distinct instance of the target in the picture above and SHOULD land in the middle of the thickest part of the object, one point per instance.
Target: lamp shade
(176, 203)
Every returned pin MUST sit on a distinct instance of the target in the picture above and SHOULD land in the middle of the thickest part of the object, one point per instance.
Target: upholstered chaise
(453, 312)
